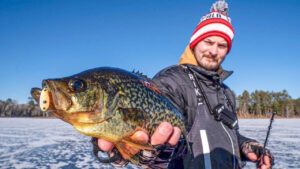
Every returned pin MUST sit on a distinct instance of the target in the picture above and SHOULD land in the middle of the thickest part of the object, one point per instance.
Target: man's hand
(256, 152)
(263, 163)
(165, 133)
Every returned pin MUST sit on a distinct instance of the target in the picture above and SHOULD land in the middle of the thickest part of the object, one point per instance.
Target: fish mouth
(58, 95)
(54, 98)
(35, 93)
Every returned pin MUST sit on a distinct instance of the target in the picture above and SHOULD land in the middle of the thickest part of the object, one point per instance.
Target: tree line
(256, 104)
(10, 108)
(262, 103)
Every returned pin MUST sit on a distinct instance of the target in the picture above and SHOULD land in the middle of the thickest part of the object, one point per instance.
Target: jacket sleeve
(241, 139)
(169, 84)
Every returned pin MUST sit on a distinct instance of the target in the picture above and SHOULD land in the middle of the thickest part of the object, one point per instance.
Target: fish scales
(139, 96)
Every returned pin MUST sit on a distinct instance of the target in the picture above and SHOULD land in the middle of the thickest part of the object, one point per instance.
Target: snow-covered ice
(44, 143)
(284, 140)
(52, 143)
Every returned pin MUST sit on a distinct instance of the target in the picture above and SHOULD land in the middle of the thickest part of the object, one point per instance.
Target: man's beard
(209, 63)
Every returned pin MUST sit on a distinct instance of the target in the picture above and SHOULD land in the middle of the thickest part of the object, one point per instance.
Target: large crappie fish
(109, 103)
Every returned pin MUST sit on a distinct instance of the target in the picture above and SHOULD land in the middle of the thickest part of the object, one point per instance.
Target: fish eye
(77, 85)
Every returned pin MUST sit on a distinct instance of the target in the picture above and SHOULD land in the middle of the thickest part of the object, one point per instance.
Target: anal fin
(129, 149)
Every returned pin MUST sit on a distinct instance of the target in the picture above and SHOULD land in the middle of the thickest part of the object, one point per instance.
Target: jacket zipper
(232, 146)
(226, 131)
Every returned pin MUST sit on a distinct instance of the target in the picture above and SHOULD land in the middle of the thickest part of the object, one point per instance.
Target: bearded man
(196, 88)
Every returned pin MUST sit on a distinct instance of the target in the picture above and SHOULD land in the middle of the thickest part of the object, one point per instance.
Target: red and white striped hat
(215, 23)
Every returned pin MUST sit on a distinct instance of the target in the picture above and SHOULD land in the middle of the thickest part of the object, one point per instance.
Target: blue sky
(42, 39)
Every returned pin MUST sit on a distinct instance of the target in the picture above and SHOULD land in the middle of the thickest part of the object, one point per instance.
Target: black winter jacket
(213, 143)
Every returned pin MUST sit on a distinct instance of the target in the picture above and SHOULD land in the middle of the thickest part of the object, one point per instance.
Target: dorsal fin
(148, 82)
(140, 74)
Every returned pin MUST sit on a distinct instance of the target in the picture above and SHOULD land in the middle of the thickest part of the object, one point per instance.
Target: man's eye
(209, 42)
(222, 46)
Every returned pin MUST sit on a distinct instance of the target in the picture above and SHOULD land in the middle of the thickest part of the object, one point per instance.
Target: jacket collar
(188, 58)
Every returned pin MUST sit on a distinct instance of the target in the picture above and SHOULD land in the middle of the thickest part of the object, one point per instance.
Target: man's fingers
(140, 137)
(173, 140)
(162, 133)
(105, 145)
(267, 163)
(252, 156)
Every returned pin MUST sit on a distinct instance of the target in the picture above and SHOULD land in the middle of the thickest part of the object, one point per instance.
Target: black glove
(158, 158)
(114, 157)
(162, 155)
(258, 149)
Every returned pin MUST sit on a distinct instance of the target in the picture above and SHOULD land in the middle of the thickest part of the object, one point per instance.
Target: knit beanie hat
(215, 23)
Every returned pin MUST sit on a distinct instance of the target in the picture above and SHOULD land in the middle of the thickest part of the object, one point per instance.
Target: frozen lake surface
(52, 143)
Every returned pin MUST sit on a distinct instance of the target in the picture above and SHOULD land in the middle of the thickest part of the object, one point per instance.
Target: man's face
(210, 52)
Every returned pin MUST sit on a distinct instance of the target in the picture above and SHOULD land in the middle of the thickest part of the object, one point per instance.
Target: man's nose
(213, 50)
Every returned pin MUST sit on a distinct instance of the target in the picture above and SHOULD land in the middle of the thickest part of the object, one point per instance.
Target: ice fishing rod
(269, 130)
(260, 161)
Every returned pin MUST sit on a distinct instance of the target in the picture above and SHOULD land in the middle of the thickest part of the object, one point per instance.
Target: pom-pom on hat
(215, 23)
